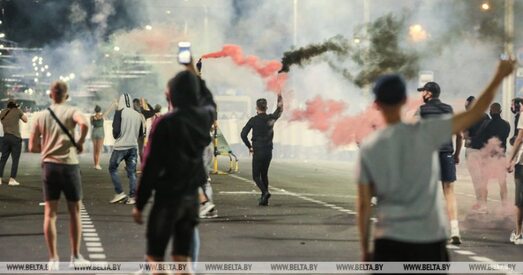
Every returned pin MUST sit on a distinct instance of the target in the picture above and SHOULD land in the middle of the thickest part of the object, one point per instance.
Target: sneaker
(119, 197)
(13, 182)
(205, 208)
(513, 236)
(518, 240)
(78, 261)
(479, 208)
(53, 264)
(130, 200)
(98, 167)
(456, 239)
(264, 200)
(212, 214)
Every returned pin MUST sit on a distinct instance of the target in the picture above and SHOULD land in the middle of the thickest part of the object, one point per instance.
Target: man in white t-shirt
(60, 167)
(399, 165)
(516, 165)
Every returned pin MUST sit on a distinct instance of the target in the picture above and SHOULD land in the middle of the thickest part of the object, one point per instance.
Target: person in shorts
(60, 167)
(448, 157)
(173, 167)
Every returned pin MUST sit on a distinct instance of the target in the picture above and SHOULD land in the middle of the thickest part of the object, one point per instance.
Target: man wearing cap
(448, 158)
(399, 165)
(12, 141)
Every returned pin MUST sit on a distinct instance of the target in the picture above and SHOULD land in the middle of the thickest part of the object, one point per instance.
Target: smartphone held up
(184, 53)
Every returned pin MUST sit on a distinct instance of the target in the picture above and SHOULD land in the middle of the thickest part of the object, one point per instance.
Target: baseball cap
(390, 89)
(432, 87)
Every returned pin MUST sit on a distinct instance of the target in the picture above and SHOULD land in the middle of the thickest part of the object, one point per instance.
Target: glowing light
(48, 92)
(2, 35)
(485, 6)
(417, 33)
(148, 27)
(66, 79)
(168, 11)
(37, 74)
(34, 59)
(116, 48)
(48, 74)
(1, 46)
(1, 22)
(34, 64)
(42, 70)
(36, 80)
(36, 69)
(72, 75)
(46, 67)
(357, 41)
(107, 55)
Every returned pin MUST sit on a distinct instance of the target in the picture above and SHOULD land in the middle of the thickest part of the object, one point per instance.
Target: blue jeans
(131, 158)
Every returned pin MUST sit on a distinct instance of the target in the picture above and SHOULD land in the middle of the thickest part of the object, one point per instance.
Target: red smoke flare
(265, 69)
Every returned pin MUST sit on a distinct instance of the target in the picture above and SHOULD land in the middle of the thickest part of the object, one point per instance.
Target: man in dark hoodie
(173, 167)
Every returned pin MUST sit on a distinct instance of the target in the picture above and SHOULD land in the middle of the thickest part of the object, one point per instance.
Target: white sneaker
(53, 264)
(79, 261)
(518, 240)
(206, 208)
(98, 167)
(512, 236)
(130, 200)
(118, 198)
(13, 182)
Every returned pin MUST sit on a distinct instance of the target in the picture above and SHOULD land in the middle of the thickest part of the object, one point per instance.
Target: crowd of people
(410, 213)
(175, 164)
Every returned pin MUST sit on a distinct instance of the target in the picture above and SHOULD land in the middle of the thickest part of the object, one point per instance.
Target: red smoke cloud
(268, 70)
(319, 113)
(327, 117)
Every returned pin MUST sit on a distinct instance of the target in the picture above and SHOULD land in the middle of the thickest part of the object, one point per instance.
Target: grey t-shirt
(401, 162)
(11, 121)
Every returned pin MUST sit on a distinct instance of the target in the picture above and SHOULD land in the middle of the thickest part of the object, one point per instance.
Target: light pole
(508, 82)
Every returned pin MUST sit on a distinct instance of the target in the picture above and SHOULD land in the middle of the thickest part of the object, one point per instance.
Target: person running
(399, 164)
(128, 126)
(261, 148)
(448, 157)
(98, 133)
(52, 136)
(12, 141)
(173, 167)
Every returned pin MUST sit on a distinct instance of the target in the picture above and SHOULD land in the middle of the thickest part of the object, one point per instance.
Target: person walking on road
(515, 164)
(12, 141)
(261, 148)
(173, 167)
(128, 126)
(53, 136)
(400, 166)
(98, 133)
(448, 157)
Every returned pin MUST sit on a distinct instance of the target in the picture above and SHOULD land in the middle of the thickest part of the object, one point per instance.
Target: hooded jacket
(173, 165)
(128, 124)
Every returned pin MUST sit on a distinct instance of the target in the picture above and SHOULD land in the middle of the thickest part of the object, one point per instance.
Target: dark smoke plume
(383, 53)
(337, 44)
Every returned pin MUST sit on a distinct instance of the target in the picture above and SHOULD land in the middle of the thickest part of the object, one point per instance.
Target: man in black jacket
(448, 158)
(261, 148)
(173, 167)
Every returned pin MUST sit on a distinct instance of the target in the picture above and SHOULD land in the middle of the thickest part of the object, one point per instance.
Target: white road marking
(91, 238)
(465, 252)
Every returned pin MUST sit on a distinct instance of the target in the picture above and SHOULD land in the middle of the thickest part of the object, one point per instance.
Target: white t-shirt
(56, 145)
(519, 157)
(402, 163)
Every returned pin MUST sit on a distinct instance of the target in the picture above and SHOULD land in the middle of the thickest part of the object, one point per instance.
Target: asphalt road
(310, 218)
